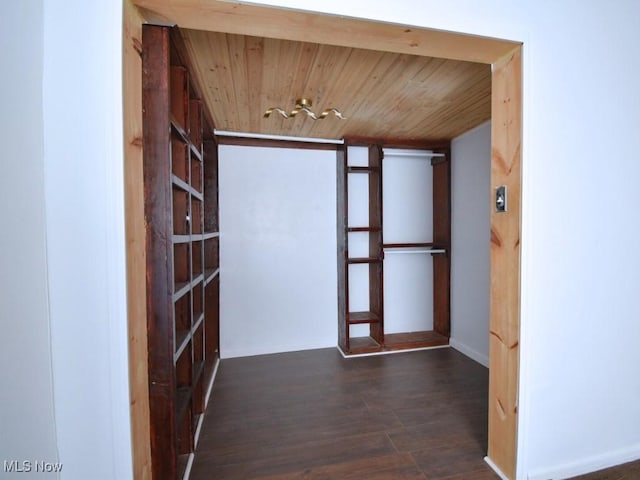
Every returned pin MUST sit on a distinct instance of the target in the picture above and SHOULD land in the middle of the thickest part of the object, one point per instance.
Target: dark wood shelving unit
(378, 340)
(181, 213)
(374, 316)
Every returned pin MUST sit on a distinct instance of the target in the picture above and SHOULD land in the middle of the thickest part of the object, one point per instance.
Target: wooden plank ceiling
(383, 95)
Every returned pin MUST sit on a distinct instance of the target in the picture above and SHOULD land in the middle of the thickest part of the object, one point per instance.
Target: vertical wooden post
(504, 325)
(376, 277)
(343, 267)
(158, 205)
(135, 234)
(442, 239)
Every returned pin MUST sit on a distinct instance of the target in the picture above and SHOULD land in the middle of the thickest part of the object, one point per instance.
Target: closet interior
(393, 239)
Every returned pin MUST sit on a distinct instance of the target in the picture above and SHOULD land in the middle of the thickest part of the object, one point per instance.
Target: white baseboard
(495, 468)
(481, 358)
(388, 352)
(587, 465)
(270, 349)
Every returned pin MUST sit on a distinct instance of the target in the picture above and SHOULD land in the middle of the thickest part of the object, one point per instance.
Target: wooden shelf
(403, 341)
(178, 129)
(210, 274)
(181, 289)
(360, 345)
(397, 342)
(196, 153)
(181, 239)
(352, 261)
(202, 236)
(408, 245)
(363, 229)
(197, 323)
(185, 187)
(183, 337)
(363, 317)
(182, 341)
(178, 182)
(363, 169)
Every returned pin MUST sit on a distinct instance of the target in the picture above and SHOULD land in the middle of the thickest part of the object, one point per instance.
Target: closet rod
(432, 251)
(264, 136)
(411, 153)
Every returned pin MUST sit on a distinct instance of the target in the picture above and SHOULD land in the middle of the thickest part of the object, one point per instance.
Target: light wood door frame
(506, 131)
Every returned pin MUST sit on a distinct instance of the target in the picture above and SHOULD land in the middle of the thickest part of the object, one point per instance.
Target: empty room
(276, 239)
(304, 201)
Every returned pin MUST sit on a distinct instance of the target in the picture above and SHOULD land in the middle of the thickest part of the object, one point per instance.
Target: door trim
(506, 160)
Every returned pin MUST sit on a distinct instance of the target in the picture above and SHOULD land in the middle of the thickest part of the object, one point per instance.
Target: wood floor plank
(296, 428)
(451, 407)
(397, 467)
(281, 458)
(450, 429)
(463, 460)
(315, 415)
(485, 474)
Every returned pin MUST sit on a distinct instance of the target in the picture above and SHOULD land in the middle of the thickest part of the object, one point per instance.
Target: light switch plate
(501, 199)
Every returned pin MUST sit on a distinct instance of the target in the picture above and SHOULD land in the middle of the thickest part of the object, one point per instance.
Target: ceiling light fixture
(304, 105)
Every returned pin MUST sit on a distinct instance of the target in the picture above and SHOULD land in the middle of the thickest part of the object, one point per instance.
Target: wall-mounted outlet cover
(501, 199)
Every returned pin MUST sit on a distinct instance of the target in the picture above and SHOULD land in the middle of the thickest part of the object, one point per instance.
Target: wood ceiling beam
(287, 24)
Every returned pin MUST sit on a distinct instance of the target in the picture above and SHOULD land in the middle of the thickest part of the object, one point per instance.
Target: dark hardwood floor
(314, 415)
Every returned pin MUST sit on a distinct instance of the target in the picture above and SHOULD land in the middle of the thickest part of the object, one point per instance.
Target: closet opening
(506, 124)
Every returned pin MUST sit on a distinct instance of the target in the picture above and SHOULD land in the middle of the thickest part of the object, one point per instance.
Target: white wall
(581, 265)
(580, 262)
(407, 217)
(83, 176)
(470, 235)
(277, 250)
(407, 197)
(27, 423)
